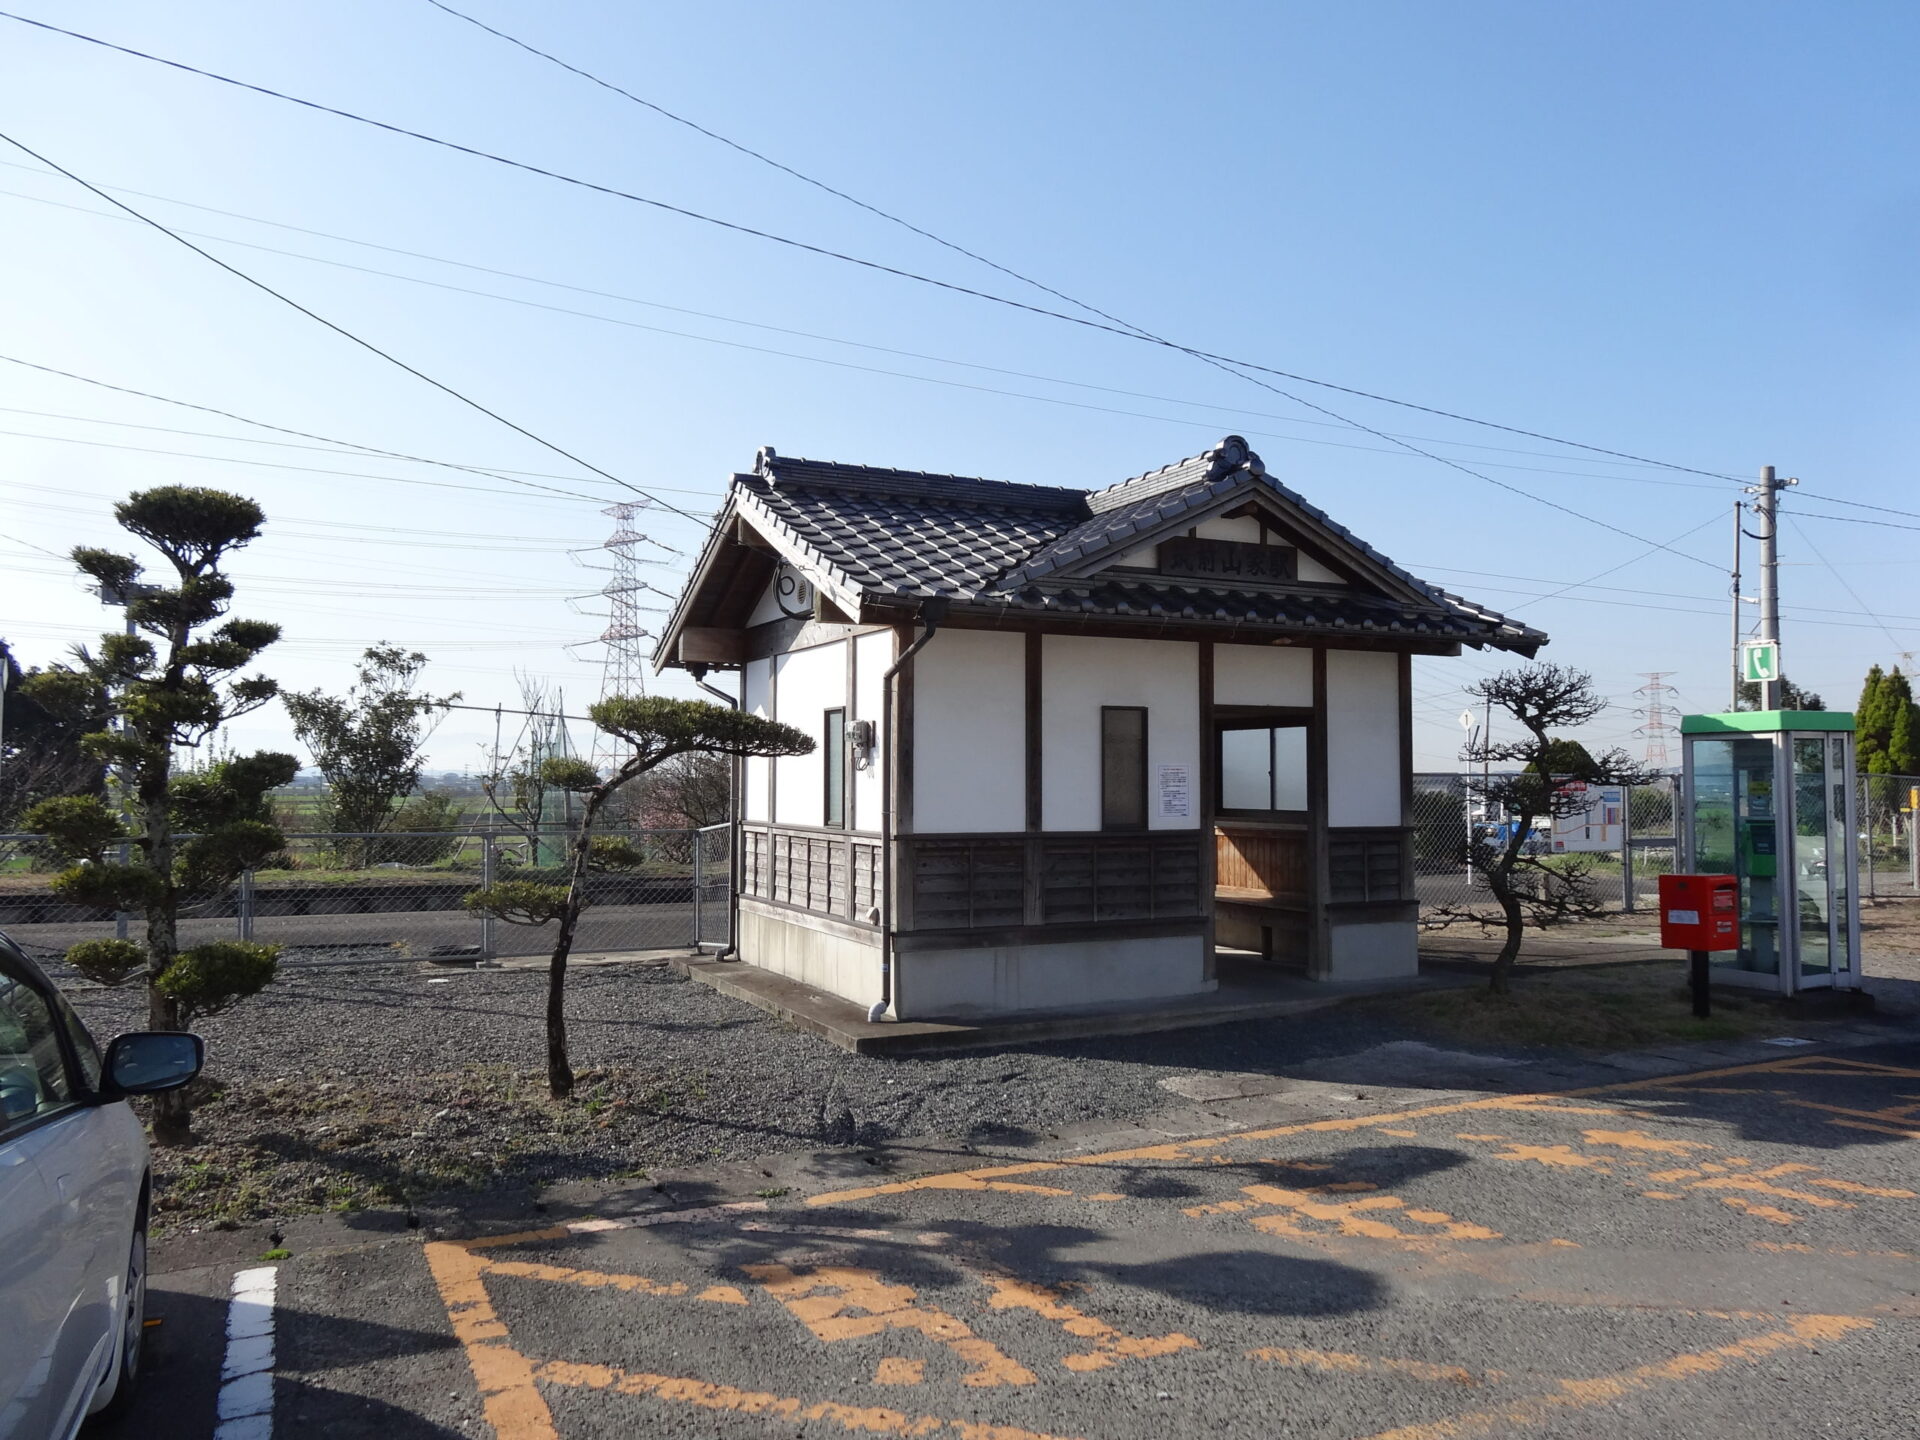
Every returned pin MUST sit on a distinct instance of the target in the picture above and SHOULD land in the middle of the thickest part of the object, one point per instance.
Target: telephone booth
(1767, 796)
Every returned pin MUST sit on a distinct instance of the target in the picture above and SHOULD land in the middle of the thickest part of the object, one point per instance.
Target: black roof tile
(909, 534)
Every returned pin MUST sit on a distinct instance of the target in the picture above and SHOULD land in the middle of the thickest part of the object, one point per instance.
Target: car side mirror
(145, 1062)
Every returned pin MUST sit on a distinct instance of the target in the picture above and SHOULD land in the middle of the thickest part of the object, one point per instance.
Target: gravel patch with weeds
(343, 1088)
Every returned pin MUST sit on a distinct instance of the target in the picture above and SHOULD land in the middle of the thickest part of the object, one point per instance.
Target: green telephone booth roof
(1765, 722)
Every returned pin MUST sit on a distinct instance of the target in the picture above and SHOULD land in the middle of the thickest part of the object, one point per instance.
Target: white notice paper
(1176, 792)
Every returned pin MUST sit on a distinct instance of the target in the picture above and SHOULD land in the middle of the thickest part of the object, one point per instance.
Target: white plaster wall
(788, 946)
(1363, 738)
(1262, 675)
(1376, 950)
(753, 698)
(872, 654)
(1308, 568)
(1243, 528)
(807, 684)
(970, 733)
(767, 607)
(1079, 674)
(930, 984)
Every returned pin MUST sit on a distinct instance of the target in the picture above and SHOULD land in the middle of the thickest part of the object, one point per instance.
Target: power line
(732, 320)
(280, 429)
(1858, 520)
(1856, 504)
(805, 179)
(1119, 328)
(1846, 585)
(339, 329)
(1634, 560)
(282, 465)
(554, 540)
(1233, 367)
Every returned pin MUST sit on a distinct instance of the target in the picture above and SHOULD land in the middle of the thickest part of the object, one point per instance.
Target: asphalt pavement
(1492, 1252)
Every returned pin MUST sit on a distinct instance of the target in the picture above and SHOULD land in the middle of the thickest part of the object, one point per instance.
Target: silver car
(74, 1188)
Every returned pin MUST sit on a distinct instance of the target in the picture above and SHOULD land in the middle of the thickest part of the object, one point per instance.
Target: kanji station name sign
(1225, 560)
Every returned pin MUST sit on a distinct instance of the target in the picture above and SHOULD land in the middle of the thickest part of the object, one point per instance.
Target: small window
(1263, 768)
(1123, 767)
(834, 746)
(33, 1075)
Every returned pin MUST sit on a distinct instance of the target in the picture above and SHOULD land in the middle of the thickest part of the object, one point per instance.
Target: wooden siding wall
(1261, 861)
(1366, 865)
(1001, 881)
(837, 875)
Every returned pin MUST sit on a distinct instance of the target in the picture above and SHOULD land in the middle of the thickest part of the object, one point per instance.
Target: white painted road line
(246, 1377)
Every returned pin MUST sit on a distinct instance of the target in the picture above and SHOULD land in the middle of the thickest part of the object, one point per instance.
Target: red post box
(1699, 912)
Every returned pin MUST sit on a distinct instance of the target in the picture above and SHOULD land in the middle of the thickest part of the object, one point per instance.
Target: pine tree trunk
(172, 1112)
(559, 1064)
(1501, 980)
(1500, 882)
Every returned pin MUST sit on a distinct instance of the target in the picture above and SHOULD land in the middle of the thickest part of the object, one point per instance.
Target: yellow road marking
(1110, 1344)
(1640, 1140)
(1804, 1333)
(1882, 1129)
(841, 1302)
(509, 1398)
(1185, 1151)
(1358, 1218)
(862, 1419)
(1789, 1247)
(588, 1279)
(896, 1370)
(1561, 1156)
(1335, 1362)
(1885, 1192)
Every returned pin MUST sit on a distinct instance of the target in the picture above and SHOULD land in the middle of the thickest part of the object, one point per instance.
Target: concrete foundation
(839, 961)
(1376, 950)
(1012, 979)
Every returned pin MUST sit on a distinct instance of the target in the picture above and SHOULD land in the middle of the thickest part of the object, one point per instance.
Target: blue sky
(1684, 231)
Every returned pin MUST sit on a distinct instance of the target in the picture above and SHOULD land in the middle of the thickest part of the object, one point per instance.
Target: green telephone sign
(1760, 661)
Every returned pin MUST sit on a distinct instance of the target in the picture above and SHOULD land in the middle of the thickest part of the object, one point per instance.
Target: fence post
(1866, 791)
(1913, 831)
(243, 905)
(486, 878)
(699, 855)
(1626, 849)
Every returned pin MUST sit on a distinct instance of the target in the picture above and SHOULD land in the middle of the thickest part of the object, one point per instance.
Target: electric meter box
(1699, 912)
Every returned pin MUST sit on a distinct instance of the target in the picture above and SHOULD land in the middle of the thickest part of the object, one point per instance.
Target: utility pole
(1739, 515)
(1767, 507)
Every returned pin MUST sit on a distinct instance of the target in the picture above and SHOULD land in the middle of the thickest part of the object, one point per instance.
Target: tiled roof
(906, 535)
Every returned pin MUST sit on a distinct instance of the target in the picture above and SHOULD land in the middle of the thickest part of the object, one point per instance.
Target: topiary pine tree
(173, 683)
(1541, 889)
(657, 729)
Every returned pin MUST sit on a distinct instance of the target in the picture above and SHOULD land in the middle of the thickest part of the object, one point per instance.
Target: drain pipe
(735, 837)
(932, 612)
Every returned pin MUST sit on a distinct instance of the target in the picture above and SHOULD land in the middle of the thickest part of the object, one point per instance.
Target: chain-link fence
(1628, 840)
(336, 897)
(1887, 814)
(1625, 838)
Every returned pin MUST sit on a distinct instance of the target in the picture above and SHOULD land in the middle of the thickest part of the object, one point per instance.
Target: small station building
(1069, 741)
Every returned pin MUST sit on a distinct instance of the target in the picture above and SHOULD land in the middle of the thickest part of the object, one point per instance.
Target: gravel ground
(343, 1088)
